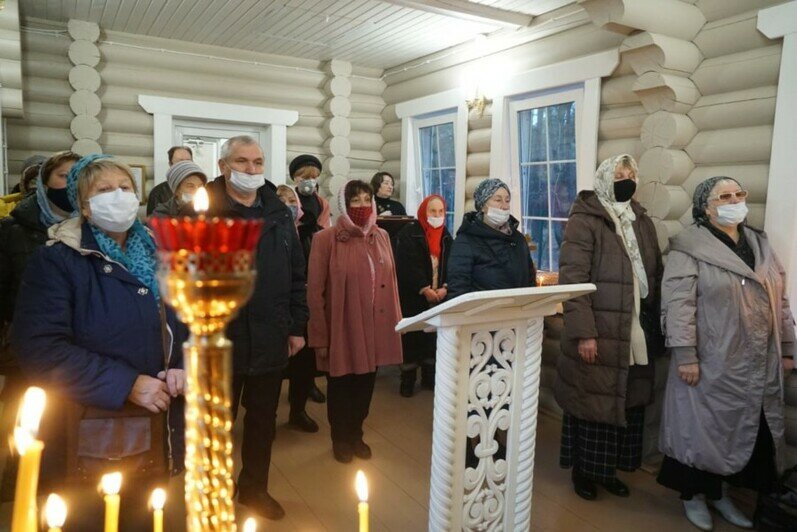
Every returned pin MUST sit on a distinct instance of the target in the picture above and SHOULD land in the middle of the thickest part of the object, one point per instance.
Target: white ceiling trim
(462, 9)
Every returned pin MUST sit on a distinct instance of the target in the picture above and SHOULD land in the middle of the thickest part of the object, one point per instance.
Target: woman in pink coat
(354, 308)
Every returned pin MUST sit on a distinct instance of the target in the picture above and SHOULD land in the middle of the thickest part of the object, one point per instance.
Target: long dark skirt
(596, 450)
(760, 473)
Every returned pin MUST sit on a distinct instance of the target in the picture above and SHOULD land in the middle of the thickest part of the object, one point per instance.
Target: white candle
(55, 513)
(361, 484)
(250, 525)
(111, 484)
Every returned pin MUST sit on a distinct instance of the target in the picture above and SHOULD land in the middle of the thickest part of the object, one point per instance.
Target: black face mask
(624, 190)
(60, 198)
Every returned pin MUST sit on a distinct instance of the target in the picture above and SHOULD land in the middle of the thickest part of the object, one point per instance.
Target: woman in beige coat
(731, 336)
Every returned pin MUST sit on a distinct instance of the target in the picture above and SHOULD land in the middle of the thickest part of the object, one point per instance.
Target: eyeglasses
(726, 196)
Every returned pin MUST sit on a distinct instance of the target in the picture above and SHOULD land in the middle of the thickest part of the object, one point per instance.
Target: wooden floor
(318, 492)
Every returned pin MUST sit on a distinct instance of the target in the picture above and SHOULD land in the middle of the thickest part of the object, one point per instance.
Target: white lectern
(487, 384)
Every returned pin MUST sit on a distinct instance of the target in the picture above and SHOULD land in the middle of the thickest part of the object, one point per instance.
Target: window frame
(449, 103)
(573, 93)
(435, 119)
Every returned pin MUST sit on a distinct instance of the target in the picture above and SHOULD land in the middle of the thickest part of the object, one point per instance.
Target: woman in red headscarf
(422, 249)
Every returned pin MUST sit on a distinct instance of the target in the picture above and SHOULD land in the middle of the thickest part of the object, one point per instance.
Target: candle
(55, 513)
(158, 500)
(250, 525)
(30, 452)
(111, 484)
(201, 200)
(361, 484)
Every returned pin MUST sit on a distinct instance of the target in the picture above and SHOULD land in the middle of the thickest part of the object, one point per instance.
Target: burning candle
(158, 500)
(111, 484)
(55, 513)
(201, 201)
(30, 452)
(250, 525)
(361, 484)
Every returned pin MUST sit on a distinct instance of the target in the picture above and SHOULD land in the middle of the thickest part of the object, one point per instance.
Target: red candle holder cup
(207, 273)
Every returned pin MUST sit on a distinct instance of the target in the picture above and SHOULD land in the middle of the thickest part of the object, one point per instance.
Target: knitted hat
(33, 160)
(485, 191)
(303, 160)
(179, 171)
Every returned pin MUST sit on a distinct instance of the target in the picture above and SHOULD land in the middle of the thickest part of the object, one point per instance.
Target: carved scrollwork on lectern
(490, 390)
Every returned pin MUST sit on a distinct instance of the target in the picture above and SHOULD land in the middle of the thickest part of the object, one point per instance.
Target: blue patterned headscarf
(485, 191)
(138, 257)
(46, 214)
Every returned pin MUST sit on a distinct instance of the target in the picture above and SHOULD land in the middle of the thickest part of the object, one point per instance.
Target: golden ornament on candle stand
(30, 449)
(207, 273)
(547, 278)
(157, 501)
(361, 485)
(110, 485)
(55, 513)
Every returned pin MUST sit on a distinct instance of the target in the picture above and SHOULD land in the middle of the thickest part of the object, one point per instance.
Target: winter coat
(389, 207)
(277, 308)
(354, 309)
(309, 224)
(160, 193)
(20, 234)
(483, 258)
(736, 324)
(592, 252)
(414, 272)
(90, 328)
(173, 208)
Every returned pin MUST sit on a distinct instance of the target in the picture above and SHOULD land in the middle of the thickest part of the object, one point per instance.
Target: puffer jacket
(90, 329)
(483, 258)
(592, 252)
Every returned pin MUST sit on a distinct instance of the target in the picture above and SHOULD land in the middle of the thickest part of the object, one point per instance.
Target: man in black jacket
(271, 326)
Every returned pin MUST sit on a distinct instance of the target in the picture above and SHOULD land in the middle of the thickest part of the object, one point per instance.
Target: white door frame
(275, 122)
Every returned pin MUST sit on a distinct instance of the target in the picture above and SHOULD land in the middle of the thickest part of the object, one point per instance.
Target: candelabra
(206, 273)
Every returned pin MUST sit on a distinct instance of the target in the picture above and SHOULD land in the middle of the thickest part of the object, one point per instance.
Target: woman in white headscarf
(605, 373)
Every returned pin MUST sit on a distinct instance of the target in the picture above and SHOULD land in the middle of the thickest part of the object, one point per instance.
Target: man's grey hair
(230, 144)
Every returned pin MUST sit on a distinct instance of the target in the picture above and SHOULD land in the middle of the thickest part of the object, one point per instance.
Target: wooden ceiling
(371, 33)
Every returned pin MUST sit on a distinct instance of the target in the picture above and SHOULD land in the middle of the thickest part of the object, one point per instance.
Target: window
(544, 155)
(438, 164)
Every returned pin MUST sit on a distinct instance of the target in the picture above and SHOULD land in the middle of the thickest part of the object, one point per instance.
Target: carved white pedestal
(486, 395)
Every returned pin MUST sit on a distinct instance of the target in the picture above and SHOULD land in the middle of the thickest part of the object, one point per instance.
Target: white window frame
(451, 105)
(586, 72)
(166, 110)
(548, 98)
(437, 119)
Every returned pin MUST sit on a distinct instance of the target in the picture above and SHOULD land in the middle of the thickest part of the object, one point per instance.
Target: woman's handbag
(777, 512)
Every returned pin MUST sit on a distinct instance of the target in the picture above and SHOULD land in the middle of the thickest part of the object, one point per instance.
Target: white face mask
(497, 217)
(436, 222)
(114, 211)
(246, 183)
(731, 214)
(186, 198)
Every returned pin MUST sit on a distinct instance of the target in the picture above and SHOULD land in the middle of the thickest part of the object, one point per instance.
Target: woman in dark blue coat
(90, 326)
(489, 252)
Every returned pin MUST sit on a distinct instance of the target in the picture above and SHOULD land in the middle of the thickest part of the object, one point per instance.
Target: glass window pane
(448, 183)
(538, 229)
(562, 131)
(563, 189)
(450, 221)
(426, 135)
(532, 136)
(428, 182)
(534, 184)
(445, 136)
(558, 230)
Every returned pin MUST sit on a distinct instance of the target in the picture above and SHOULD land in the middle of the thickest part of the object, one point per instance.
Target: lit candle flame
(111, 483)
(158, 499)
(361, 484)
(250, 525)
(55, 511)
(28, 418)
(201, 200)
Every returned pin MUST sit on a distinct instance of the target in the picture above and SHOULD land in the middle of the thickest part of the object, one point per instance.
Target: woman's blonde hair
(95, 169)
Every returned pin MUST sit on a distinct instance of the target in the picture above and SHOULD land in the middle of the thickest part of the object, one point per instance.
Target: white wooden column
(781, 214)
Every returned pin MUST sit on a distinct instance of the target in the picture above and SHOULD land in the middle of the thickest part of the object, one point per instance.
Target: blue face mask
(732, 214)
(294, 211)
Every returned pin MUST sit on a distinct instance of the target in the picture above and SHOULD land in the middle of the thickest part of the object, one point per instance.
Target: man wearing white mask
(270, 328)
(489, 252)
